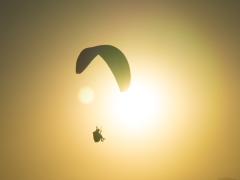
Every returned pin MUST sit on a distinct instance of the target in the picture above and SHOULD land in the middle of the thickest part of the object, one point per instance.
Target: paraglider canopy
(114, 58)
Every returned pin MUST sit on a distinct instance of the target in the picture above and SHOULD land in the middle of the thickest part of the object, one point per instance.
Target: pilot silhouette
(97, 136)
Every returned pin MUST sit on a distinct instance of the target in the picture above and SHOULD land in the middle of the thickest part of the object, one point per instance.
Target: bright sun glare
(136, 107)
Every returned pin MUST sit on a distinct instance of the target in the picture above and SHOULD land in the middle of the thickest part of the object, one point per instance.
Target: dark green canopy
(114, 58)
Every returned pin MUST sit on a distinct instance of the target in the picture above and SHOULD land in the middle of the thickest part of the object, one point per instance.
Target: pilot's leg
(102, 139)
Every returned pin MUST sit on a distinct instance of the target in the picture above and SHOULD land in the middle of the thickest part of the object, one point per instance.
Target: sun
(136, 107)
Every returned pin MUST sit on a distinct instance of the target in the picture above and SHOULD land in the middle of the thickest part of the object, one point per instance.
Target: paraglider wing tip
(123, 89)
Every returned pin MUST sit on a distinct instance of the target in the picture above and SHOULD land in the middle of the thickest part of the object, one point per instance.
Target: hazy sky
(179, 120)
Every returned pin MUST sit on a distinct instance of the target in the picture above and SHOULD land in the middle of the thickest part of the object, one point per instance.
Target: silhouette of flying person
(97, 136)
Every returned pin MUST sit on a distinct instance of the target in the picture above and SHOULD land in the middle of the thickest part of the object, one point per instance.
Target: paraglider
(97, 136)
(114, 58)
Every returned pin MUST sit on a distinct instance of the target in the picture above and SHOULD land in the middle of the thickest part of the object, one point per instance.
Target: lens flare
(86, 95)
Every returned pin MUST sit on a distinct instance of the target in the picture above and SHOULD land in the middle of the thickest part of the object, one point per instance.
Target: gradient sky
(186, 53)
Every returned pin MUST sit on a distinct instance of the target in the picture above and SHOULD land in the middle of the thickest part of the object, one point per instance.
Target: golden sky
(179, 119)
